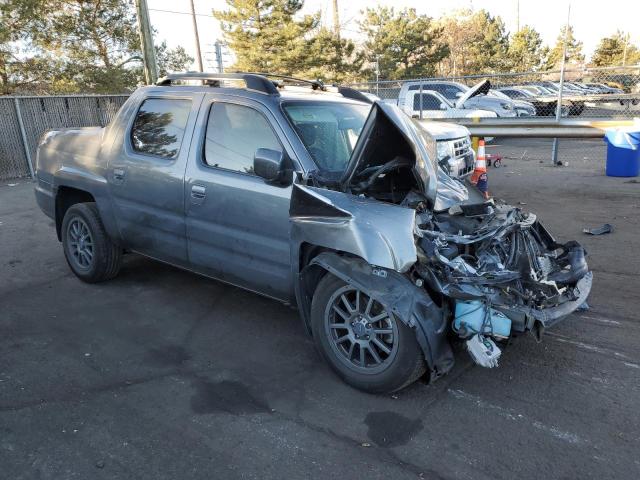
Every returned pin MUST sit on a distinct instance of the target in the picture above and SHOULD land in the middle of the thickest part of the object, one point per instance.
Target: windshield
(329, 130)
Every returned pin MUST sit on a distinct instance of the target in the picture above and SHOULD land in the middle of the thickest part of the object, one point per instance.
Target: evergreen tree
(405, 44)
(615, 50)
(265, 35)
(525, 51)
(332, 59)
(65, 46)
(478, 43)
(574, 50)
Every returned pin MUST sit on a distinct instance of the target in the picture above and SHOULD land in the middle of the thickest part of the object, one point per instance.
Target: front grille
(461, 147)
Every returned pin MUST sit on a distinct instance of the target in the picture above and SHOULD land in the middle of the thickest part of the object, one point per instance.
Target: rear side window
(429, 102)
(234, 133)
(449, 92)
(159, 126)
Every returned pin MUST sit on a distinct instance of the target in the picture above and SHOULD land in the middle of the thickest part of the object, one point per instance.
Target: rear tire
(346, 321)
(89, 251)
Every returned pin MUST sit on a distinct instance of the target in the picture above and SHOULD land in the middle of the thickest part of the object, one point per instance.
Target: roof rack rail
(259, 83)
(315, 84)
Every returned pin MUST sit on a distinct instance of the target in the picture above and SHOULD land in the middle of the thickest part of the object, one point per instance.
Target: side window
(429, 102)
(234, 133)
(513, 93)
(159, 126)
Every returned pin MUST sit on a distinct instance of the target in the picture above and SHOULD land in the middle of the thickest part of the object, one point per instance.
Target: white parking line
(511, 415)
(626, 360)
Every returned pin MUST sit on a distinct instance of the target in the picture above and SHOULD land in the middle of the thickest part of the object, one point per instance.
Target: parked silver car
(310, 195)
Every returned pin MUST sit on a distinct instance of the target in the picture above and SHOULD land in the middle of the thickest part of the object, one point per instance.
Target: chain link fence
(589, 93)
(611, 93)
(24, 119)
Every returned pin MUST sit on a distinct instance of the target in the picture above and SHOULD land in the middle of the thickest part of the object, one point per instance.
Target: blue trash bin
(623, 152)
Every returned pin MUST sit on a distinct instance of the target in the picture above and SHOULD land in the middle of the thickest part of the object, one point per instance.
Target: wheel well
(65, 198)
(309, 278)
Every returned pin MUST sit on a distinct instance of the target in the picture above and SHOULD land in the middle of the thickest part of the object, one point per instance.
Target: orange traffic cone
(479, 176)
(481, 163)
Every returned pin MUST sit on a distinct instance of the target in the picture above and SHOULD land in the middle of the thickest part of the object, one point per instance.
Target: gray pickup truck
(316, 197)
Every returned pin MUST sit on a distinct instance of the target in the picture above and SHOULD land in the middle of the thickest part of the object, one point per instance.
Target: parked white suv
(453, 142)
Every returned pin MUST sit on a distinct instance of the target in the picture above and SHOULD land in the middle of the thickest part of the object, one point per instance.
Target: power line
(181, 13)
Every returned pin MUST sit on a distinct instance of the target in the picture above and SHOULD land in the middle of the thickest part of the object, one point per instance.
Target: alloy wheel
(360, 330)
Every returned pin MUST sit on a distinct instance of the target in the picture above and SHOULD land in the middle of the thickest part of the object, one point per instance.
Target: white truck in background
(434, 105)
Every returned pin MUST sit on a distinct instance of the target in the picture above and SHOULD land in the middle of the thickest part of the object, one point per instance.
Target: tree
(332, 59)
(17, 70)
(615, 50)
(66, 46)
(478, 43)
(266, 36)
(574, 50)
(171, 59)
(405, 44)
(525, 50)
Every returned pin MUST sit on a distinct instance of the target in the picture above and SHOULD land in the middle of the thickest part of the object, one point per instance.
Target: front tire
(89, 251)
(367, 346)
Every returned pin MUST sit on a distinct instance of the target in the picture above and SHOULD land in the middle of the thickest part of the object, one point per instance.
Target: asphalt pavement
(163, 374)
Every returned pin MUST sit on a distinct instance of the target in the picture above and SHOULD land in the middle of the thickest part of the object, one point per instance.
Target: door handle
(118, 174)
(198, 192)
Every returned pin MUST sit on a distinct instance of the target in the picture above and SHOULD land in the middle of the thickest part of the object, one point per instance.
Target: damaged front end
(503, 271)
(447, 264)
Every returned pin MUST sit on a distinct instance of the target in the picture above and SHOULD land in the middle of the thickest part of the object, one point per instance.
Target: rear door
(146, 175)
(237, 224)
(429, 104)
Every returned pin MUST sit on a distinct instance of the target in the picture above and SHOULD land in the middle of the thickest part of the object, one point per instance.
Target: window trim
(202, 158)
(416, 96)
(131, 150)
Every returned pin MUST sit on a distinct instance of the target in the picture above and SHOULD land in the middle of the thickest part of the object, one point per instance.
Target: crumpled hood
(385, 116)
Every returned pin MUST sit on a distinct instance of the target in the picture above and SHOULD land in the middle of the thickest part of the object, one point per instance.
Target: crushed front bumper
(550, 316)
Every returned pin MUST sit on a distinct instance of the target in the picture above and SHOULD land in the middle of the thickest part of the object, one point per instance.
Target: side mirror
(269, 164)
(459, 94)
(443, 106)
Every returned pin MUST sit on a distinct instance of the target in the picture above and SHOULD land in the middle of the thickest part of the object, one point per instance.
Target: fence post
(23, 133)
(554, 150)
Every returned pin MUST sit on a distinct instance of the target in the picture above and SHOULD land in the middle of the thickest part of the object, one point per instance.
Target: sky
(591, 19)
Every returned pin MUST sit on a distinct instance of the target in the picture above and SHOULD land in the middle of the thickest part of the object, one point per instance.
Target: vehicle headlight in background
(506, 106)
(444, 150)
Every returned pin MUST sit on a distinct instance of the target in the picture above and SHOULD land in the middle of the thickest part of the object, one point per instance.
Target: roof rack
(255, 82)
(260, 82)
(315, 84)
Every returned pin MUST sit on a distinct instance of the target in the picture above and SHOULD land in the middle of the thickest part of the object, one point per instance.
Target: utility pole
(624, 52)
(146, 43)
(378, 75)
(336, 19)
(517, 16)
(195, 32)
(218, 46)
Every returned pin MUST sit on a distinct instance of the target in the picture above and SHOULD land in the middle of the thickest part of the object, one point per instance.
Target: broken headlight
(445, 150)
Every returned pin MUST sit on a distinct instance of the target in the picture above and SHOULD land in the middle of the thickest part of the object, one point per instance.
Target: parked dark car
(544, 106)
(315, 197)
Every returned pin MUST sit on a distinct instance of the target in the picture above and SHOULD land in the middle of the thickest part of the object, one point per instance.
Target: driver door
(237, 224)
